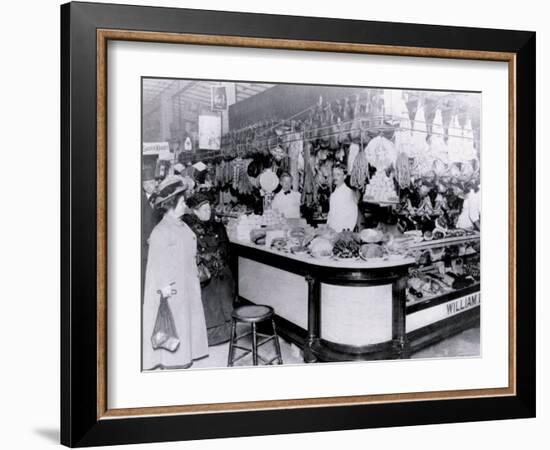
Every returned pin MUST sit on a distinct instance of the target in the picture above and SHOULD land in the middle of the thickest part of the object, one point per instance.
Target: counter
(335, 310)
(344, 310)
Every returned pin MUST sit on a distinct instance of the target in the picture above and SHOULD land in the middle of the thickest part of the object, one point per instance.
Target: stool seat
(252, 313)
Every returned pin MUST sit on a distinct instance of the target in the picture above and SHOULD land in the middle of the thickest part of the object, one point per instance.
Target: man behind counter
(343, 210)
(287, 201)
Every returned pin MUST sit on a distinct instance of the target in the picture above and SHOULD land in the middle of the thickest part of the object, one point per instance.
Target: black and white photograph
(299, 223)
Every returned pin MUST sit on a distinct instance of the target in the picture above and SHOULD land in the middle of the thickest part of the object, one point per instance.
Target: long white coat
(172, 258)
(343, 210)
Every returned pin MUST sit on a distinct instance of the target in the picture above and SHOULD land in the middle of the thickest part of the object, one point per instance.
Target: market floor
(462, 344)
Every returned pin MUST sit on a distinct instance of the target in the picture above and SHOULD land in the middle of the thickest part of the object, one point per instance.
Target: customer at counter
(213, 256)
(171, 277)
(343, 210)
(287, 201)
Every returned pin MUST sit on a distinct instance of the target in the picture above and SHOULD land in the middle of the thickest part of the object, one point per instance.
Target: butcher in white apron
(343, 210)
(287, 201)
(470, 216)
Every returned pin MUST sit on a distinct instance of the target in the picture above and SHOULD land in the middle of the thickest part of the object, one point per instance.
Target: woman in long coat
(172, 269)
(218, 292)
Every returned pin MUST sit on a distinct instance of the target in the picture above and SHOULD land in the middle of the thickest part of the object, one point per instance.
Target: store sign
(462, 304)
(428, 316)
(155, 148)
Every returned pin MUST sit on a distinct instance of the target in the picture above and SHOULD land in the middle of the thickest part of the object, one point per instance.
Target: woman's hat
(168, 188)
(197, 200)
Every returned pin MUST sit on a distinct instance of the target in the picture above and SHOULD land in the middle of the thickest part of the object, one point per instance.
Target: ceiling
(191, 91)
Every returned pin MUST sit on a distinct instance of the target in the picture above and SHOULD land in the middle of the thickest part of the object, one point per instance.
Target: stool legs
(254, 345)
(277, 345)
(231, 342)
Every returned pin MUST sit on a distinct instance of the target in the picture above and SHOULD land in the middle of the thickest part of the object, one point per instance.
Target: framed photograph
(218, 98)
(341, 237)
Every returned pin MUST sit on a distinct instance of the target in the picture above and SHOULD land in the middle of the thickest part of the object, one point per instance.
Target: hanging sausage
(360, 171)
(309, 193)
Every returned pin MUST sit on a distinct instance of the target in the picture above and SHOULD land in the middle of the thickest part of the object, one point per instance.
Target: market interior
(353, 213)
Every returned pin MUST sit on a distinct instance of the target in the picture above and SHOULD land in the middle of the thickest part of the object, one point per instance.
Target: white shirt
(287, 204)
(343, 209)
(470, 210)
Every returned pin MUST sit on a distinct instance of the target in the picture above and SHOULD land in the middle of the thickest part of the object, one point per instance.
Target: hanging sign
(218, 98)
(210, 132)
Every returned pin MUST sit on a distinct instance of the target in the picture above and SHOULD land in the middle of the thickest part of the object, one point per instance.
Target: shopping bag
(164, 333)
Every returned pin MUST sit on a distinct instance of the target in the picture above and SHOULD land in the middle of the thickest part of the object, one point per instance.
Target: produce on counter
(371, 235)
(272, 218)
(258, 237)
(326, 232)
(299, 250)
(280, 244)
(371, 251)
(347, 245)
(320, 248)
(241, 227)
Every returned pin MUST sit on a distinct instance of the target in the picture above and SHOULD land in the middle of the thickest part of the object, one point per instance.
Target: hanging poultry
(412, 103)
(430, 108)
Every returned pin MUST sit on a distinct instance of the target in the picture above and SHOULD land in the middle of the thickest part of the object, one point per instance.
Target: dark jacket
(213, 247)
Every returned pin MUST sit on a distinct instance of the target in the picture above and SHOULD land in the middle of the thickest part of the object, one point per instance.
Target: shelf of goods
(355, 309)
(443, 290)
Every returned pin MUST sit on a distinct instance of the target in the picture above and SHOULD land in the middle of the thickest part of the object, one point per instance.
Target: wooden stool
(253, 314)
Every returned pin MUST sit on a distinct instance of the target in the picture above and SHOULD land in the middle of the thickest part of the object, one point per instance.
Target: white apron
(343, 209)
(287, 204)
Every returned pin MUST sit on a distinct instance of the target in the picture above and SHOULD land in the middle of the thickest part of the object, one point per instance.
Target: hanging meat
(255, 167)
(324, 132)
(217, 174)
(430, 108)
(403, 170)
(377, 102)
(353, 151)
(245, 187)
(462, 114)
(355, 129)
(447, 110)
(309, 193)
(412, 103)
(476, 126)
(236, 166)
(295, 148)
(381, 153)
(334, 121)
(324, 174)
(360, 171)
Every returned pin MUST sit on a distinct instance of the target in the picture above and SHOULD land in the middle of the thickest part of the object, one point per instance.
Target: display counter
(438, 315)
(335, 310)
(343, 310)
